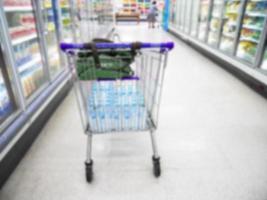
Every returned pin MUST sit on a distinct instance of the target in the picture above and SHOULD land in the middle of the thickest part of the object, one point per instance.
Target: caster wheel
(89, 171)
(156, 167)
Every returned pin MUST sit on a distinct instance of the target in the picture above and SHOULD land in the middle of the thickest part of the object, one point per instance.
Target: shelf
(29, 64)
(24, 39)
(255, 14)
(17, 8)
(252, 27)
(249, 39)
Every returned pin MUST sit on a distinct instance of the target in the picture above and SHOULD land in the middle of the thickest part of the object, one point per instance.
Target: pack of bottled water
(116, 106)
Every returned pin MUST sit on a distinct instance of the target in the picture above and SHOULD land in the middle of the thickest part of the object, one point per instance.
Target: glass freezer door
(51, 38)
(8, 104)
(204, 19)
(194, 21)
(178, 15)
(25, 43)
(173, 13)
(182, 14)
(252, 29)
(188, 16)
(215, 23)
(66, 34)
(232, 13)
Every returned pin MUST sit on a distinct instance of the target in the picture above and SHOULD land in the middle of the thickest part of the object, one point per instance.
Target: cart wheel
(156, 167)
(89, 171)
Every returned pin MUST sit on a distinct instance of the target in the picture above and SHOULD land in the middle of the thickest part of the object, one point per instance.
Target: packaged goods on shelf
(32, 79)
(17, 2)
(254, 6)
(25, 52)
(21, 24)
(5, 103)
(204, 14)
(252, 28)
(247, 51)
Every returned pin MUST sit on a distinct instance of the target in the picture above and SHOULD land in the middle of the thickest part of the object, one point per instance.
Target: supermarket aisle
(212, 139)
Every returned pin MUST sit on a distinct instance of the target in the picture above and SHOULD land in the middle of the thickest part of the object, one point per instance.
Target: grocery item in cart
(112, 65)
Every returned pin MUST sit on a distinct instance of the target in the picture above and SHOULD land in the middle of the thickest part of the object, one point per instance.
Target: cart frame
(148, 77)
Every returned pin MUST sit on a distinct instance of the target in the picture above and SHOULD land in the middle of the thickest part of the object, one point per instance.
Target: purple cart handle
(164, 45)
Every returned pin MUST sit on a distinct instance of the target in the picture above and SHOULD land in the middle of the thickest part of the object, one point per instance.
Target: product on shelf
(17, 2)
(247, 50)
(32, 79)
(257, 6)
(5, 103)
(25, 52)
(64, 3)
(215, 23)
(203, 17)
(47, 3)
(22, 28)
(231, 17)
(138, 6)
(21, 24)
(252, 28)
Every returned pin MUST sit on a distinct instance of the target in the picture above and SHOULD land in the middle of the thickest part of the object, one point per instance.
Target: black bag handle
(99, 40)
(92, 46)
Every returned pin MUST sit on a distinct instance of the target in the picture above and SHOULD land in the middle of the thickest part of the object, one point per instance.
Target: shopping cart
(118, 88)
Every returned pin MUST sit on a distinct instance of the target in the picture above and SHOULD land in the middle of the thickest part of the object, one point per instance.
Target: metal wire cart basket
(118, 89)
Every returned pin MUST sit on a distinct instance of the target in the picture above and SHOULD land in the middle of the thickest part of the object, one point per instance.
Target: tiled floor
(212, 138)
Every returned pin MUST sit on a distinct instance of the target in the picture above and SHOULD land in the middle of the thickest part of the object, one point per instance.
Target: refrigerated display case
(8, 103)
(181, 13)
(232, 15)
(204, 15)
(25, 44)
(177, 13)
(195, 18)
(252, 30)
(216, 23)
(51, 37)
(173, 12)
(188, 13)
(65, 17)
(78, 6)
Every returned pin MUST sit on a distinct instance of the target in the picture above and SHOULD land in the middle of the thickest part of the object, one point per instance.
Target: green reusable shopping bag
(111, 65)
